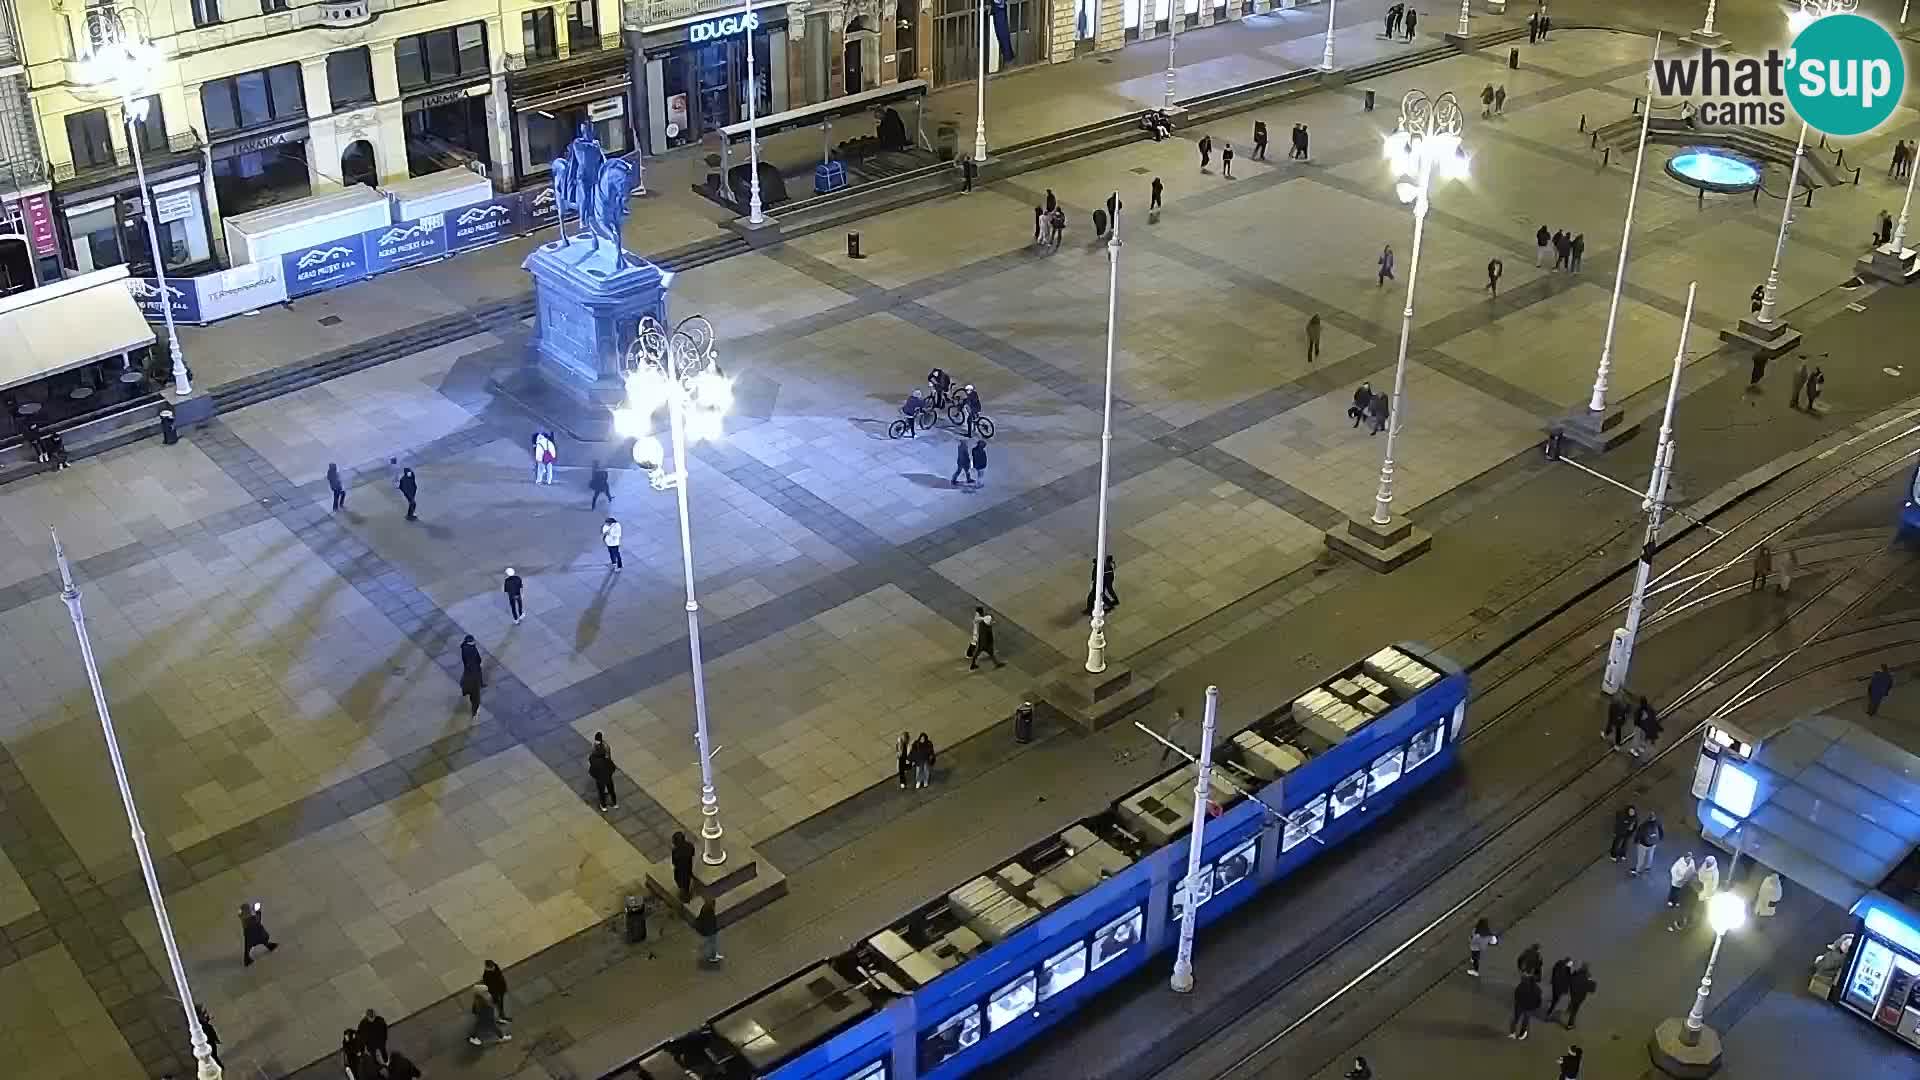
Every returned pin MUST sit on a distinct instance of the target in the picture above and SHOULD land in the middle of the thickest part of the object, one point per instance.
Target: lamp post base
(1703, 39)
(1767, 339)
(1890, 266)
(1596, 431)
(1674, 1055)
(1384, 548)
(741, 885)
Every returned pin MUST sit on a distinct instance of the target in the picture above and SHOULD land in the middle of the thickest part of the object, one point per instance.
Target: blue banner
(184, 298)
(404, 243)
(322, 267)
(483, 223)
(540, 208)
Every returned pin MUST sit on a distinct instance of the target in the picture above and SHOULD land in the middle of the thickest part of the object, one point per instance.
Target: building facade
(29, 245)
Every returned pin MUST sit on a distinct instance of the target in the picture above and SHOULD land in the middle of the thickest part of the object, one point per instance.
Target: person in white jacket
(610, 536)
(1678, 877)
(1706, 882)
(545, 453)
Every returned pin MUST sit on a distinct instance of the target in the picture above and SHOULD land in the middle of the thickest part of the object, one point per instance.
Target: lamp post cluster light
(678, 371)
(121, 58)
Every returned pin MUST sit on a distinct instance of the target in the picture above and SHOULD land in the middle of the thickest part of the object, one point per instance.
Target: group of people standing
(1569, 981)
(1567, 249)
(1401, 21)
(1049, 222)
(1646, 724)
(1369, 407)
(1902, 164)
(913, 760)
(364, 1054)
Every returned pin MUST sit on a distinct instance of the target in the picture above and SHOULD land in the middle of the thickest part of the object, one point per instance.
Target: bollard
(1023, 723)
(636, 920)
(1606, 157)
(1593, 143)
(169, 434)
(1583, 121)
(853, 246)
(1369, 105)
(1700, 198)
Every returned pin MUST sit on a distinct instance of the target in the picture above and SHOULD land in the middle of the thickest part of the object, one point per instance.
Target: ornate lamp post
(754, 214)
(980, 94)
(1176, 14)
(679, 370)
(1689, 1047)
(122, 59)
(1597, 402)
(1810, 11)
(1326, 57)
(1097, 630)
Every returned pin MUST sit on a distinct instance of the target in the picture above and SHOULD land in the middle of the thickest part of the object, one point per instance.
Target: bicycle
(925, 418)
(957, 416)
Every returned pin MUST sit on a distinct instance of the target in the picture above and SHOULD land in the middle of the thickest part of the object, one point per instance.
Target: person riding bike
(942, 384)
(915, 404)
(970, 398)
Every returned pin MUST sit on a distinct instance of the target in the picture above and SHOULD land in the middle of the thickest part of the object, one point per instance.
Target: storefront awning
(64, 325)
(1831, 806)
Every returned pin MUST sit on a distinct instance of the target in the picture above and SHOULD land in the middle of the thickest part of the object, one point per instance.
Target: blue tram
(1910, 505)
(971, 975)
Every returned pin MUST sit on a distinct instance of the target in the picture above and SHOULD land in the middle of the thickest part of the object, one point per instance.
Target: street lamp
(1428, 139)
(1725, 911)
(754, 214)
(1463, 18)
(1597, 403)
(1176, 14)
(679, 370)
(1097, 631)
(1326, 57)
(1809, 12)
(120, 58)
(980, 94)
(202, 1049)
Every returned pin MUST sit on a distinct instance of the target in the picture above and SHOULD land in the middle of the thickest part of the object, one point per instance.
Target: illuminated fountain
(1709, 168)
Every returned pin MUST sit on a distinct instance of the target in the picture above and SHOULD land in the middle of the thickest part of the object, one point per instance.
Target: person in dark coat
(1361, 398)
(903, 765)
(1646, 839)
(1153, 199)
(1648, 723)
(1570, 1063)
(981, 643)
(968, 170)
(1526, 1001)
(1206, 152)
(1360, 1071)
(979, 461)
(1624, 823)
(1559, 982)
(1577, 992)
(471, 680)
(962, 464)
(1109, 598)
(353, 1056)
(1530, 963)
(1576, 250)
(1879, 685)
(401, 1067)
(1313, 337)
(922, 756)
(513, 586)
(1561, 246)
(1816, 382)
(682, 855)
(334, 485)
(1052, 203)
(1618, 710)
(1378, 413)
(599, 483)
(253, 933)
(495, 981)
(1259, 140)
(707, 925)
(1542, 243)
(600, 767)
(1226, 160)
(410, 490)
(213, 1037)
(372, 1032)
(1412, 21)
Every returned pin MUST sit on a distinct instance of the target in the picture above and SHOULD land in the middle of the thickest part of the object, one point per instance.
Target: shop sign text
(715, 29)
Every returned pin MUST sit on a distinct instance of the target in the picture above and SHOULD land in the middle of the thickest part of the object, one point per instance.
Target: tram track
(1687, 592)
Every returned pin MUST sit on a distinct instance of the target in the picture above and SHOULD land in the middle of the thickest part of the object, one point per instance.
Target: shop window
(206, 12)
(1113, 940)
(955, 1034)
(96, 239)
(253, 99)
(453, 53)
(583, 26)
(91, 138)
(151, 124)
(1063, 970)
(350, 77)
(1304, 822)
(536, 35)
(268, 7)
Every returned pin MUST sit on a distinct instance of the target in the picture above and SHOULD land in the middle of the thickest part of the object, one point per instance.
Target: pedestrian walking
(485, 1020)
(981, 643)
(1758, 372)
(1577, 991)
(409, 487)
(213, 1037)
(1679, 876)
(253, 933)
(1482, 939)
(1413, 21)
(1052, 203)
(1526, 1001)
(1816, 383)
(1879, 685)
(707, 925)
(1570, 1063)
(1533, 28)
(1206, 152)
(1762, 568)
(1306, 140)
(1495, 268)
(1576, 250)
(1562, 249)
(1618, 710)
(513, 587)
(353, 1058)
(495, 982)
(1386, 265)
(1259, 140)
(681, 853)
(545, 453)
(1058, 220)
(902, 761)
(1393, 19)
(599, 483)
(1486, 101)
(1500, 99)
(1542, 243)
(1757, 298)
(334, 485)
(1546, 25)
(1226, 160)
(1647, 722)
(1899, 158)
(962, 465)
(610, 536)
(1039, 217)
(372, 1032)
(1153, 200)
(1361, 398)
(1799, 384)
(1530, 963)
(968, 170)
(1175, 725)
(1113, 210)
(401, 1067)
(921, 755)
(600, 767)
(1377, 413)
(979, 462)
(1646, 839)
(471, 678)
(1105, 581)
(1624, 823)
(1313, 337)
(1559, 981)
(1906, 160)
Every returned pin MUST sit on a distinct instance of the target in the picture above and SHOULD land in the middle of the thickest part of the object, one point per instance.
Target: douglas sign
(715, 29)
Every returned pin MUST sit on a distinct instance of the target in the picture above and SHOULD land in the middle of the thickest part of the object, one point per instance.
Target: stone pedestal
(1596, 431)
(740, 886)
(1700, 39)
(1382, 547)
(1888, 265)
(588, 301)
(1091, 702)
(1767, 341)
(1671, 1055)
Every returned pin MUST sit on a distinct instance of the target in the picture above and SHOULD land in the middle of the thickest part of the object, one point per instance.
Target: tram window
(1304, 822)
(958, 1032)
(1117, 937)
(875, 1071)
(1012, 1001)
(1234, 867)
(1180, 892)
(1386, 769)
(1348, 793)
(1424, 746)
(1063, 970)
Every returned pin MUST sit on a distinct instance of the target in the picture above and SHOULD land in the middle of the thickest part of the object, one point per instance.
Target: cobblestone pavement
(284, 677)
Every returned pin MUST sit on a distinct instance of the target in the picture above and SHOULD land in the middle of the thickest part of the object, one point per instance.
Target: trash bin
(853, 245)
(1513, 59)
(169, 434)
(1369, 94)
(636, 919)
(1023, 723)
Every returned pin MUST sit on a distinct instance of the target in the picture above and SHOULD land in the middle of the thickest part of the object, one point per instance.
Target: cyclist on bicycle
(970, 398)
(915, 404)
(942, 384)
